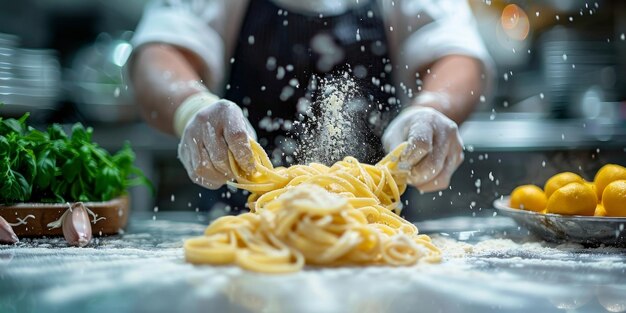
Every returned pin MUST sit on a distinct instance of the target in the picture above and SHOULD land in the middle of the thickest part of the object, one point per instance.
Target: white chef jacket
(419, 32)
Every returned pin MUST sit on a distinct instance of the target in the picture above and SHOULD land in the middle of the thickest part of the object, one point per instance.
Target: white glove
(211, 128)
(435, 148)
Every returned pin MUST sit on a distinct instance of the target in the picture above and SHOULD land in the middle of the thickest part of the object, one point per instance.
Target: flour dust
(333, 129)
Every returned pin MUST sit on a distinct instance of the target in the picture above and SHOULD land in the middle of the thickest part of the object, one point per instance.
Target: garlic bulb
(76, 226)
(7, 235)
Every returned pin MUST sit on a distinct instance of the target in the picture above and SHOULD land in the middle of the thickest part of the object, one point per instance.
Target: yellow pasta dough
(316, 215)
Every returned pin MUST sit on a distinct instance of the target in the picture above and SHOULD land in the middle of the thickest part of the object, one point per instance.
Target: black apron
(279, 53)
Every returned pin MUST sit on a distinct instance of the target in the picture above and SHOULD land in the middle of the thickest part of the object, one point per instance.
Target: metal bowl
(586, 230)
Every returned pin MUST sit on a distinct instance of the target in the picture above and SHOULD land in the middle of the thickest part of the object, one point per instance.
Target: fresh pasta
(316, 215)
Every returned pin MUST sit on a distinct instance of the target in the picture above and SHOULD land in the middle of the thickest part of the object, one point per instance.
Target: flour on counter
(506, 252)
(144, 271)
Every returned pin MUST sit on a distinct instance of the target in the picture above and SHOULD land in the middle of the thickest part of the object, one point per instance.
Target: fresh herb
(52, 166)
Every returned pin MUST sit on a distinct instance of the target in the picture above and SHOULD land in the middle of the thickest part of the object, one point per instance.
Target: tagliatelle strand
(317, 215)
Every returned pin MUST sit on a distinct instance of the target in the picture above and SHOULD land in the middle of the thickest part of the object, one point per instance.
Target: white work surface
(144, 271)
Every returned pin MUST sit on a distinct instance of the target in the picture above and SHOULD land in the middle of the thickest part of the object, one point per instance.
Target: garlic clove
(7, 236)
(76, 226)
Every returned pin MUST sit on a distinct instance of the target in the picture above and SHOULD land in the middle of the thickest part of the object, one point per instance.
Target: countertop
(490, 265)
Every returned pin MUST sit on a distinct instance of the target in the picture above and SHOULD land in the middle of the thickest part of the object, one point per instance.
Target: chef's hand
(212, 127)
(435, 148)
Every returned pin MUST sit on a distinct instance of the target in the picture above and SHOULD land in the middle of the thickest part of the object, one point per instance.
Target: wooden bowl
(32, 219)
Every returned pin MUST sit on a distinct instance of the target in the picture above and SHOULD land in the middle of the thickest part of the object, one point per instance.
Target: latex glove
(435, 148)
(213, 128)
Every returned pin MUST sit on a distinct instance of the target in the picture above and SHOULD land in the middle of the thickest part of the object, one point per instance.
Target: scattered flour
(144, 271)
(506, 252)
(331, 133)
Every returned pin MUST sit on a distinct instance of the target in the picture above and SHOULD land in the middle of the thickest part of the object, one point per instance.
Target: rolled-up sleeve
(436, 28)
(186, 25)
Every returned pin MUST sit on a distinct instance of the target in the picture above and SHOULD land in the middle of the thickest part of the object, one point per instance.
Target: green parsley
(52, 166)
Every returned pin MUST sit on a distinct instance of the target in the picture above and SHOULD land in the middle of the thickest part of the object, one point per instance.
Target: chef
(217, 72)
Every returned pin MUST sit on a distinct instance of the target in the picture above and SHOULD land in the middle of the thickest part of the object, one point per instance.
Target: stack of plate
(30, 79)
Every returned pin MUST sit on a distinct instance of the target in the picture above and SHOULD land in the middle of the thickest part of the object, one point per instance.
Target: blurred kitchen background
(559, 102)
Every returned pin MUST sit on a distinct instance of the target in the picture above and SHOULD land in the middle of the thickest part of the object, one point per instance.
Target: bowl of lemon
(570, 209)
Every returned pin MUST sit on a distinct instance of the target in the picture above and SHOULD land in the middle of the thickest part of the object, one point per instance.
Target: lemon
(614, 198)
(573, 199)
(528, 197)
(559, 180)
(592, 186)
(606, 175)
(600, 211)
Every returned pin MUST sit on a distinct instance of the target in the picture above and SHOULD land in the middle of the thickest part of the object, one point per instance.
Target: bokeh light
(514, 21)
